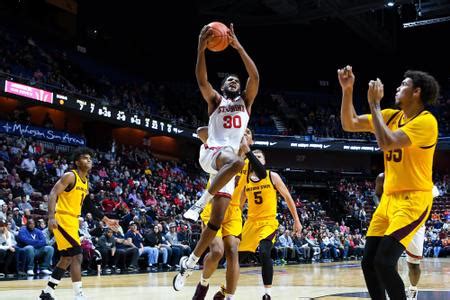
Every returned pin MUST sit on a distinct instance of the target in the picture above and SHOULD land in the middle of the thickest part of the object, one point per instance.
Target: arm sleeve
(256, 165)
(89, 206)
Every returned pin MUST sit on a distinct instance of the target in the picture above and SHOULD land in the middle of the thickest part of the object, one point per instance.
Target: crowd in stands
(149, 195)
(301, 114)
(146, 194)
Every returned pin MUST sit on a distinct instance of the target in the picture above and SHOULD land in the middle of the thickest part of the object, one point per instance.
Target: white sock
(192, 260)
(204, 281)
(412, 287)
(204, 199)
(49, 290)
(268, 291)
(229, 296)
(77, 288)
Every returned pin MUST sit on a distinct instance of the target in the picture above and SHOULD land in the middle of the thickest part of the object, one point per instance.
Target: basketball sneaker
(200, 292)
(80, 296)
(411, 293)
(220, 295)
(180, 279)
(193, 213)
(46, 296)
(266, 297)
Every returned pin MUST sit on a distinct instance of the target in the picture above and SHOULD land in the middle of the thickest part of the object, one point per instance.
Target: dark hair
(226, 77)
(429, 87)
(252, 132)
(78, 152)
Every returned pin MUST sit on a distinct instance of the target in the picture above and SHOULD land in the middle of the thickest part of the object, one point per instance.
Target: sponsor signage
(41, 133)
(28, 92)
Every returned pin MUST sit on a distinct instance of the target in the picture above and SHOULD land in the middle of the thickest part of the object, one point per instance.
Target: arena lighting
(426, 22)
(389, 3)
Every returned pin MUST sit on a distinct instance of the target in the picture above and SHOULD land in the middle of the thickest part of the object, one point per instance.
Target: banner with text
(28, 92)
(41, 133)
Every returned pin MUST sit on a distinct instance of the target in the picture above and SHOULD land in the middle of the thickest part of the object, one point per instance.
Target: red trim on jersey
(224, 195)
(213, 148)
(412, 255)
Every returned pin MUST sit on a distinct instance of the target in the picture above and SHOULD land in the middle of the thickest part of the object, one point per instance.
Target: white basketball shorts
(207, 160)
(414, 251)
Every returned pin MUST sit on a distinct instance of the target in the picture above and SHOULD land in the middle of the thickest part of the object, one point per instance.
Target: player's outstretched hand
(205, 35)
(346, 77)
(234, 42)
(375, 92)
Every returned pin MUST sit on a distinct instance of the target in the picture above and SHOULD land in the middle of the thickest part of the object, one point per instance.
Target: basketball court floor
(343, 280)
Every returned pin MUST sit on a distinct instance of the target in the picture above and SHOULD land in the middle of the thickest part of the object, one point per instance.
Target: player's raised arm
(349, 119)
(208, 92)
(252, 85)
(67, 180)
(282, 189)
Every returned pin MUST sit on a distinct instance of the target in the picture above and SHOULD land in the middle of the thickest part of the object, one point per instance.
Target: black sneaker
(200, 292)
(46, 296)
(220, 295)
(266, 297)
(132, 269)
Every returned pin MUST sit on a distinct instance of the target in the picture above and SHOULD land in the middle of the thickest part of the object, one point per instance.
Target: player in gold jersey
(66, 200)
(261, 224)
(408, 138)
(414, 250)
(228, 236)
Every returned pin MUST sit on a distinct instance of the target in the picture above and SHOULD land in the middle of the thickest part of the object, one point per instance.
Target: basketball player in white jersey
(229, 114)
(414, 251)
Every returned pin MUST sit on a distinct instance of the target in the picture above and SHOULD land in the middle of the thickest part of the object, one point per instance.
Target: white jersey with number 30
(227, 123)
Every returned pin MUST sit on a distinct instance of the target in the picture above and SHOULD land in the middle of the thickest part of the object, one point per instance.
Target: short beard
(231, 95)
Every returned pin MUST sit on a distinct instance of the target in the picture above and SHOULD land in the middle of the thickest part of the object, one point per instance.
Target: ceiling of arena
(371, 20)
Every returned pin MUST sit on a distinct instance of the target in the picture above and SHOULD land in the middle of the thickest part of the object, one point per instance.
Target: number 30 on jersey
(232, 121)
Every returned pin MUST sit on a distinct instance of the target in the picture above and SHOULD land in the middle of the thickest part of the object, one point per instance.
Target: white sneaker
(180, 278)
(411, 293)
(80, 297)
(46, 272)
(30, 273)
(193, 213)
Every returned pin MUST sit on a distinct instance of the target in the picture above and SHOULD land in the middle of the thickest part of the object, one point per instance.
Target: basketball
(219, 40)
